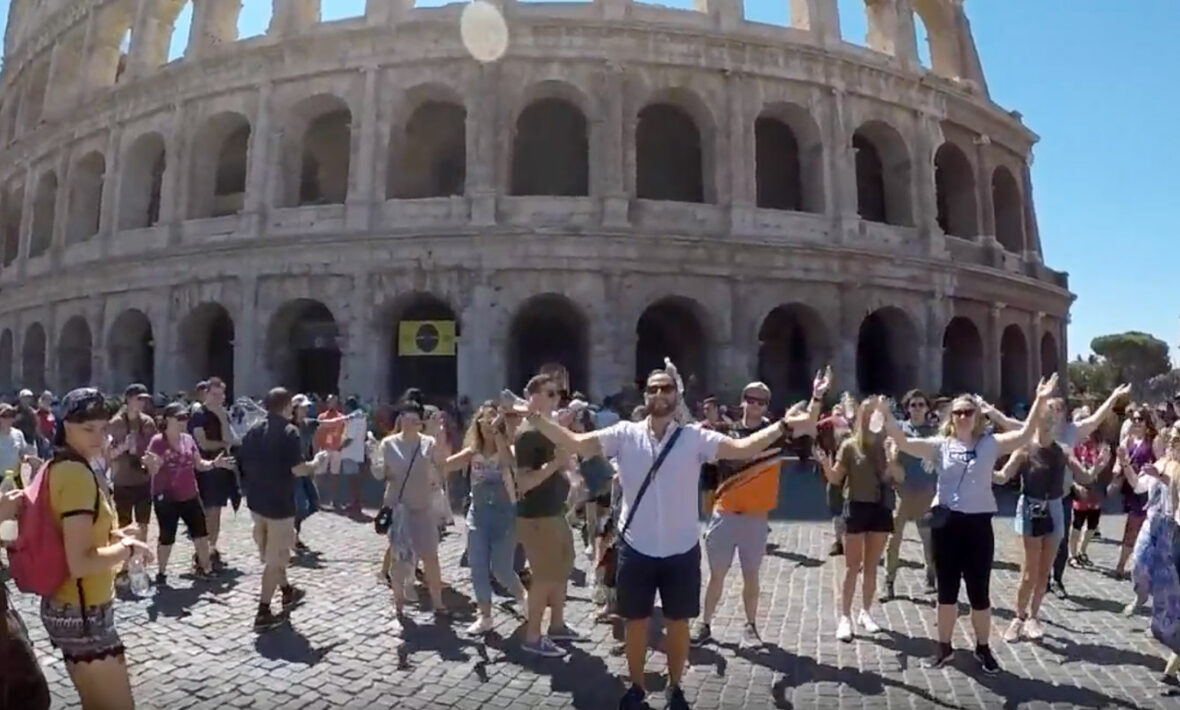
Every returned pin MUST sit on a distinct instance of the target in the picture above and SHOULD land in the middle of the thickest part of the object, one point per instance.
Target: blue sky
(1099, 81)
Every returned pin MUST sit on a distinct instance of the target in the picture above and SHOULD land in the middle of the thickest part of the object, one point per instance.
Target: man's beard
(661, 407)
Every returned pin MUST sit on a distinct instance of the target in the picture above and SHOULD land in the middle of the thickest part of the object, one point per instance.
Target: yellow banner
(420, 338)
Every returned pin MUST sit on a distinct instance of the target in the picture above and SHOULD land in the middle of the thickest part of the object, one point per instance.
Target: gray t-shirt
(398, 454)
(965, 474)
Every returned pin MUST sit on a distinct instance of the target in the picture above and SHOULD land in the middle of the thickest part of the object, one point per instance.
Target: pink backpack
(37, 559)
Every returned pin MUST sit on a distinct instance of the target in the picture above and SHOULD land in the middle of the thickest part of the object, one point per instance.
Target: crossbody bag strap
(409, 470)
(647, 481)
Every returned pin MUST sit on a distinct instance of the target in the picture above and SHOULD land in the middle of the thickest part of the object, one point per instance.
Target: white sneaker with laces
(865, 621)
(844, 629)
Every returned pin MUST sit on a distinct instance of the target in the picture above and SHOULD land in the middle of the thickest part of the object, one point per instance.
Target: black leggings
(964, 550)
(1089, 518)
(169, 513)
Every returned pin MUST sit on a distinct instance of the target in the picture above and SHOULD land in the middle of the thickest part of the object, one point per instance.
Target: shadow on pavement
(286, 643)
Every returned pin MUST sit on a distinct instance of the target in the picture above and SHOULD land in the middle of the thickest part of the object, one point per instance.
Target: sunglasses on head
(660, 389)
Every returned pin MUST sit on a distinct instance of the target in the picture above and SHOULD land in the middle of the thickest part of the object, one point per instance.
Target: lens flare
(484, 31)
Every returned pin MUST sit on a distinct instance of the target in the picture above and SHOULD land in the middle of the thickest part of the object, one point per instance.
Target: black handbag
(609, 562)
(22, 684)
(939, 515)
(1040, 522)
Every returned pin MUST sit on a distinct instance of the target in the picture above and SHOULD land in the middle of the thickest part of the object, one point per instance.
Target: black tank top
(1044, 478)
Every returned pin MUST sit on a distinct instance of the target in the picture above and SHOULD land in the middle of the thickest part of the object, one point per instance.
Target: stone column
(983, 187)
(483, 138)
(819, 17)
(356, 371)
(612, 153)
(248, 333)
(293, 17)
(993, 376)
(365, 146)
(263, 139)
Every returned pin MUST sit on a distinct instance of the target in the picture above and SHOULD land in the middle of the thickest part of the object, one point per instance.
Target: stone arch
(206, 344)
(428, 152)
(32, 106)
(132, 350)
(793, 345)
(33, 351)
(1014, 388)
(143, 182)
(962, 357)
(7, 376)
(887, 353)
(303, 347)
(942, 34)
(317, 162)
(674, 327)
(551, 149)
(109, 42)
(1009, 210)
(14, 201)
(549, 328)
(74, 352)
(44, 211)
(1050, 362)
(789, 172)
(954, 188)
(883, 174)
(85, 205)
(436, 375)
(673, 157)
(220, 158)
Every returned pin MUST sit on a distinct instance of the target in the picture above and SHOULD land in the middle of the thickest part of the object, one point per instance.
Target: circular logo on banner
(427, 338)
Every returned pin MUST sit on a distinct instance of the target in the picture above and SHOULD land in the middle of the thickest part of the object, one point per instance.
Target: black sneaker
(633, 699)
(987, 660)
(674, 699)
(266, 620)
(701, 634)
(292, 597)
(943, 655)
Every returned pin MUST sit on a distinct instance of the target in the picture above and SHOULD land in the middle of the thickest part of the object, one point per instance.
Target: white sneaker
(865, 621)
(480, 626)
(844, 629)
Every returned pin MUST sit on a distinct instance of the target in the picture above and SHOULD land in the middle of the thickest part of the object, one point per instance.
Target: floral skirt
(1155, 572)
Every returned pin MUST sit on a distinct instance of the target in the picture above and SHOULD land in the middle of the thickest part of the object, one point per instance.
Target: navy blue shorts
(676, 578)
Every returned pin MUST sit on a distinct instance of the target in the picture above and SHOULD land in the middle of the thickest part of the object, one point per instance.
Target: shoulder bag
(610, 557)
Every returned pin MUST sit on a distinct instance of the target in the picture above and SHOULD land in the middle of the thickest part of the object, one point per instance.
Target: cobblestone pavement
(192, 646)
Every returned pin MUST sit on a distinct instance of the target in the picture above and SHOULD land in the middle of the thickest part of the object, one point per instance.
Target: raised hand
(822, 382)
(1047, 387)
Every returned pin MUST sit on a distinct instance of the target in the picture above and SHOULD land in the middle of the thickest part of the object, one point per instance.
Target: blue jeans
(491, 539)
(307, 500)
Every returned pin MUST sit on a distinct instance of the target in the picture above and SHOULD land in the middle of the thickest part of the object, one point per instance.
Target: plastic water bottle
(138, 576)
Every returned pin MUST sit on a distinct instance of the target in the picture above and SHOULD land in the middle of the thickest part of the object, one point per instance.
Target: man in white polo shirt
(659, 550)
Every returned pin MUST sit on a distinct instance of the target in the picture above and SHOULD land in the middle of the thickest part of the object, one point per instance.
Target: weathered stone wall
(199, 182)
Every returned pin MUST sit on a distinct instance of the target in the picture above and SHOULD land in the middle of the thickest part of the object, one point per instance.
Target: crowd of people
(541, 477)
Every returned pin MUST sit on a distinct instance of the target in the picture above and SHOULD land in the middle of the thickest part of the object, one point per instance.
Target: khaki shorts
(548, 546)
(275, 537)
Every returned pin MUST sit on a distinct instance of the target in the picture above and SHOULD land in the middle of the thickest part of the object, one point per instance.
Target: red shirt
(46, 422)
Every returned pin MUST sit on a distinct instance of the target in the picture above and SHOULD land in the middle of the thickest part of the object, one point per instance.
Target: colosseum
(358, 205)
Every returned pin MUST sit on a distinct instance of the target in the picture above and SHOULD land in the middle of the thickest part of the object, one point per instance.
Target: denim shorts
(676, 578)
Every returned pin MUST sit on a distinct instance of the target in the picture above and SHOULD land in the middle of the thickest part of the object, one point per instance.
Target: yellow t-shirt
(72, 489)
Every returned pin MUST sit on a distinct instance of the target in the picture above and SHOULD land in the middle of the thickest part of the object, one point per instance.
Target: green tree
(1090, 378)
(1133, 356)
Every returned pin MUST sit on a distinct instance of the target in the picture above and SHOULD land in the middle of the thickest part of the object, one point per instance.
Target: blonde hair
(948, 427)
